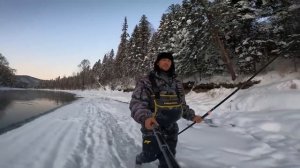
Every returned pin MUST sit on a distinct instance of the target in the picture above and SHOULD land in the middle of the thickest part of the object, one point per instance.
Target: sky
(256, 127)
(49, 38)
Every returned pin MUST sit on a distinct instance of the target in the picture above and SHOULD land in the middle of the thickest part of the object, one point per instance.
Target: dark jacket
(141, 105)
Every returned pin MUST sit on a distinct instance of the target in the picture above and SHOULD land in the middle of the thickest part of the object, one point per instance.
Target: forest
(207, 38)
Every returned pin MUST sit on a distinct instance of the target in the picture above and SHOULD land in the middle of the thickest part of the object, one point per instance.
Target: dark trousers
(151, 150)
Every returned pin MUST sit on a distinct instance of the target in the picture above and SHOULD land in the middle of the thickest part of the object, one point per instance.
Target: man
(159, 100)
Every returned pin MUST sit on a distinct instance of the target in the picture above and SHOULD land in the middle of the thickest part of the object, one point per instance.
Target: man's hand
(150, 122)
(197, 119)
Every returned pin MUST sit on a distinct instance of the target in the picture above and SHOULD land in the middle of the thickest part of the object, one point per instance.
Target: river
(20, 106)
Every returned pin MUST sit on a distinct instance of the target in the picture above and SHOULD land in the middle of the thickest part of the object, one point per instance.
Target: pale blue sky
(49, 38)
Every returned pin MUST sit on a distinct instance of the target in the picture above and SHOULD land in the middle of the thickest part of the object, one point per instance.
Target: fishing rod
(164, 148)
(210, 111)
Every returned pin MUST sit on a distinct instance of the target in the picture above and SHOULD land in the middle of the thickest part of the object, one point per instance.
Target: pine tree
(138, 48)
(132, 62)
(293, 37)
(7, 74)
(111, 69)
(168, 26)
(190, 38)
(97, 69)
(152, 53)
(85, 67)
(122, 51)
(144, 35)
(103, 73)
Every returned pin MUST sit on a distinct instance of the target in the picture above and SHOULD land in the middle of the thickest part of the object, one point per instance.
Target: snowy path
(83, 134)
(102, 141)
(97, 131)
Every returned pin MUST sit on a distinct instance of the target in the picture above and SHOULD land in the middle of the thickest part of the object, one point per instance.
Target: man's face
(164, 64)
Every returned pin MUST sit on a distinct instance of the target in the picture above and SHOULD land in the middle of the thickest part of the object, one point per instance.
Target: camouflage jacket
(141, 103)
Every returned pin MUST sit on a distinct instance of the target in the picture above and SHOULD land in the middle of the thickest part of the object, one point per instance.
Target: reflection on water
(19, 106)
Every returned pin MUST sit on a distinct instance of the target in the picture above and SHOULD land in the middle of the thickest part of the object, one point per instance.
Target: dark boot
(138, 162)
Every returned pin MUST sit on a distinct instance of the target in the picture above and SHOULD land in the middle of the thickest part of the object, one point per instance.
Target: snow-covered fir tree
(107, 69)
(254, 30)
(122, 51)
(97, 72)
(152, 52)
(167, 28)
(138, 47)
(191, 39)
(144, 36)
(132, 61)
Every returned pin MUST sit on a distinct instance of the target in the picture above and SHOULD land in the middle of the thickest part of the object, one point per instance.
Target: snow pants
(151, 150)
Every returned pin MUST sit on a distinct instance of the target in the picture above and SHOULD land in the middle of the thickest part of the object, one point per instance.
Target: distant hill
(24, 81)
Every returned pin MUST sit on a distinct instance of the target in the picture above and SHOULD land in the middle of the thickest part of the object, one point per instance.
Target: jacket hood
(169, 56)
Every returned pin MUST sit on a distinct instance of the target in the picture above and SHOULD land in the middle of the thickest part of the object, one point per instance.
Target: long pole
(210, 111)
(164, 148)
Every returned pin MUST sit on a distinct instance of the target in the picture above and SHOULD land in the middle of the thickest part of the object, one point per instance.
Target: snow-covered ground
(257, 127)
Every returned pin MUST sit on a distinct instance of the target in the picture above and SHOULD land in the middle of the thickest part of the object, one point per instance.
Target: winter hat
(167, 55)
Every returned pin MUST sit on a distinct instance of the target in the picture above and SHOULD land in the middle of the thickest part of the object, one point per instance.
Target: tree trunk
(215, 34)
(221, 46)
(295, 62)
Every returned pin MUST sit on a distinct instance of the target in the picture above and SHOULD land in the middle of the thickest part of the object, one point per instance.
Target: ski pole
(164, 148)
(210, 111)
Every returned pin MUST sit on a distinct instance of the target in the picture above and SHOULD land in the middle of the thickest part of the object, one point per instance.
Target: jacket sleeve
(139, 104)
(187, 112)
